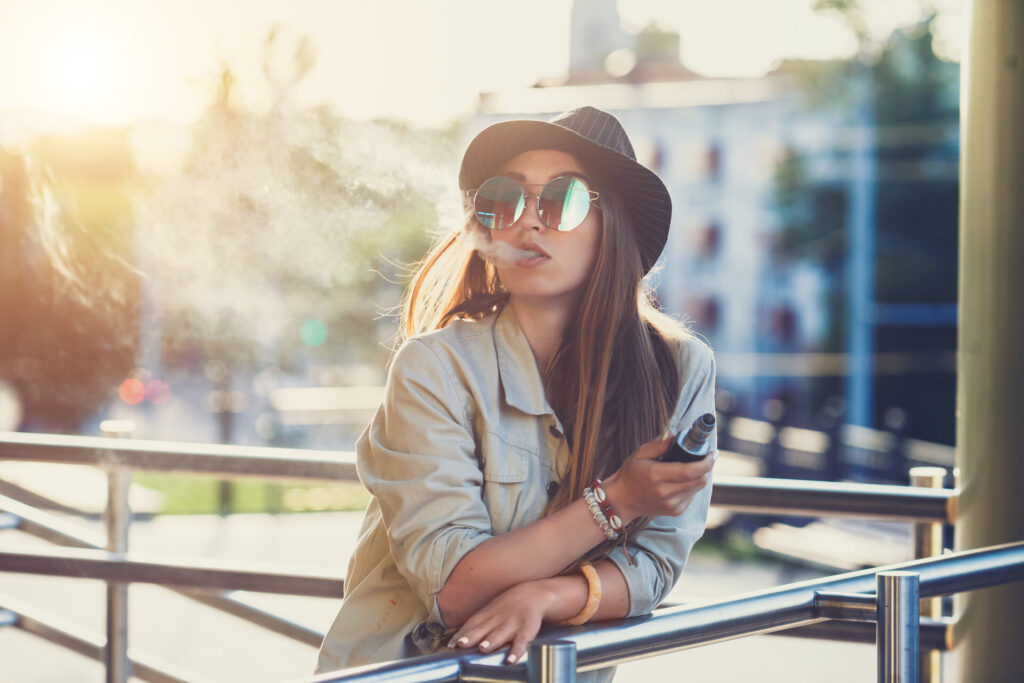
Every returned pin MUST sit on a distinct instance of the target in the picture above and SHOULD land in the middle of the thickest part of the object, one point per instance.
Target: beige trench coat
(464, 447)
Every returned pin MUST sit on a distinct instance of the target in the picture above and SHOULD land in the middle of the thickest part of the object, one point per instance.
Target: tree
(68, 294)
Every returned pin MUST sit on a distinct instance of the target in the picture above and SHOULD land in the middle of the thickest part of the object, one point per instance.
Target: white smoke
(496, 253)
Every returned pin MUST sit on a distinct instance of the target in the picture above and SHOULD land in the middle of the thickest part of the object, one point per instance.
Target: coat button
(552, 488)
(555, 432)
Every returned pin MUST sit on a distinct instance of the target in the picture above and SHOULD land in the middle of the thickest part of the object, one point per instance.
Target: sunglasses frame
(593, 196)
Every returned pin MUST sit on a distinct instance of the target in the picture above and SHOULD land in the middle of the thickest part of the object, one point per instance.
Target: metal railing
(886, 595)
(926, 508)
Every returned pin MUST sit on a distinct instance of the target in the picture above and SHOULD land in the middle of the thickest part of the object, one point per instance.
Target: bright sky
(117, 61)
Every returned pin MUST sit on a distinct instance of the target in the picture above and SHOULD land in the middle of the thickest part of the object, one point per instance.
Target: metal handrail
(148, 568)
(824, 498)
(744, 494)
(174, 456)
(678, 628)
(924, 506)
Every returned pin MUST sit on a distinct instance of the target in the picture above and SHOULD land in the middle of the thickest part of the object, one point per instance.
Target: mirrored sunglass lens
(499, 203)
(564, 203)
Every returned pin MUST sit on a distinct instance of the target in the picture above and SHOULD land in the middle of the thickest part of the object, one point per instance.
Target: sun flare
(81, 67)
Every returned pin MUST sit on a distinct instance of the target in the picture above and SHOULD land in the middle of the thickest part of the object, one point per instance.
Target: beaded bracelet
(595, 509)
(614, 521)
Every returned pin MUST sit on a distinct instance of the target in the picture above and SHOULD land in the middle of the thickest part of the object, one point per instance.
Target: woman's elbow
(453, 604)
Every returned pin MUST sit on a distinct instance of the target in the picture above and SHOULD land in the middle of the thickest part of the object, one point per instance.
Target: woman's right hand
(645, 487)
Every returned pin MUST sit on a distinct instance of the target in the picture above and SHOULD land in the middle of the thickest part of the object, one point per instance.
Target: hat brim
(646, 198)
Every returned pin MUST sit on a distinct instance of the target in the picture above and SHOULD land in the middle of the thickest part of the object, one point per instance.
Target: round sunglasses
(562, 204)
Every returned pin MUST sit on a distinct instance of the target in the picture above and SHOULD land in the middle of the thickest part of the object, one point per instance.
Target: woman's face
(567, 257)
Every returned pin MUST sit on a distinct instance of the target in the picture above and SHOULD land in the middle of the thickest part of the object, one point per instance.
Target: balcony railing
(837, 607)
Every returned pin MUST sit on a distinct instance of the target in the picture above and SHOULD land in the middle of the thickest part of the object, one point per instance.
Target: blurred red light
(132, 391)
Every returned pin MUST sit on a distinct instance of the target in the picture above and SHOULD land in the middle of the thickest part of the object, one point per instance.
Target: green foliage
(196, 495)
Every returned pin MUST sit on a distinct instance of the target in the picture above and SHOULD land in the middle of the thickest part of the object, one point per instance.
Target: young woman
(534, 367)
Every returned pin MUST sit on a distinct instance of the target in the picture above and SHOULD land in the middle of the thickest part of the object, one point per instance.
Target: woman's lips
(531, 261)
(531, 255)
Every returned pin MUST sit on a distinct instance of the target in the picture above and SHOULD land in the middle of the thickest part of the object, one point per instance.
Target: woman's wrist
(617, 496)
(564, 596)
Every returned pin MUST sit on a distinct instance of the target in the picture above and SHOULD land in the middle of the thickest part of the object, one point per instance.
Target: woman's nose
(530, 218)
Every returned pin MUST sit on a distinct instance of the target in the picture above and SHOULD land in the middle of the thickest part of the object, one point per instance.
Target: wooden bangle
(593, 596)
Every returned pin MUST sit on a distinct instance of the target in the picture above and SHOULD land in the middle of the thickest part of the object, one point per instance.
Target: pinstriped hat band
(595, 137)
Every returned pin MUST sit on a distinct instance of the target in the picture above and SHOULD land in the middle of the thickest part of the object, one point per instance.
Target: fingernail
(461, 641)
(484, 644)
(511, 659)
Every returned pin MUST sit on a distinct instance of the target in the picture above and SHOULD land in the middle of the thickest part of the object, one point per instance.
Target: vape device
(692, 445)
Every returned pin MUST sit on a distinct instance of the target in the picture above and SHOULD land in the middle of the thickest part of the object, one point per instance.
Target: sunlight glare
(83, 69)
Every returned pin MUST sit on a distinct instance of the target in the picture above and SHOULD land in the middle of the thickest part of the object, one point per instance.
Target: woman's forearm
(536, 551)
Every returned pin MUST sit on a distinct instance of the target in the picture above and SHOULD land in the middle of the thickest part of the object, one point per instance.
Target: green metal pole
(990, 369)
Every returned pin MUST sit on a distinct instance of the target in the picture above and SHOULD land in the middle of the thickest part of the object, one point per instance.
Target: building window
(705, 312)
(707, 238)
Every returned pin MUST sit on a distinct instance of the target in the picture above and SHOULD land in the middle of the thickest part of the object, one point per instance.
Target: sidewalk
(219, 647)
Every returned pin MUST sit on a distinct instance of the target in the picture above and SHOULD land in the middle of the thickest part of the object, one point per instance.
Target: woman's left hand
(514, 616)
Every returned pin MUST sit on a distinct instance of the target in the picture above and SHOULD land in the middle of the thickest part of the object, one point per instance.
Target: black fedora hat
(594, 137)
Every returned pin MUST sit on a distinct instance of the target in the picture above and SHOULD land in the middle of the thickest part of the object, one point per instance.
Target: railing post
(118, 517)
(928, 543)
(897, 627)
(551, 661)
(990, 373)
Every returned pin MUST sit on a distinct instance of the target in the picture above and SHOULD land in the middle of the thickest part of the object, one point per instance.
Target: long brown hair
(613, 381)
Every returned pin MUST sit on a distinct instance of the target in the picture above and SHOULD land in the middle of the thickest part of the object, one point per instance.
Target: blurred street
(218, 647)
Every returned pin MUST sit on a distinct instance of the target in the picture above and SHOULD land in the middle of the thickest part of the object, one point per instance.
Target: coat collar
(517, 367)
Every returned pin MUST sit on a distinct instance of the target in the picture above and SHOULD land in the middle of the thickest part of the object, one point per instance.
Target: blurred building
(720, 146)
(716, 144)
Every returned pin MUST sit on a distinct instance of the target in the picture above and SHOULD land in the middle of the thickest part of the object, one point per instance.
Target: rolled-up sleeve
(418, 458)
(658, 553)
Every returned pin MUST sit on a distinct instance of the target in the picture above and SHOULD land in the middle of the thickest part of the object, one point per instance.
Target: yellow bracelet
(593, 596)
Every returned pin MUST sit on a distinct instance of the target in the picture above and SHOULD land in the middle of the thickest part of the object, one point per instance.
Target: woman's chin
(544, 295)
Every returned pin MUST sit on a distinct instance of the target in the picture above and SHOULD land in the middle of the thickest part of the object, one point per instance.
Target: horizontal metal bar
(936, 634)
(75, 638)
(196, 458)
(769, 610)
(54, 529)
(443, 667)
(846, 606)
(817, 498)
(970, 570)
(479, 673)
(745, 494)
(142, 568)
